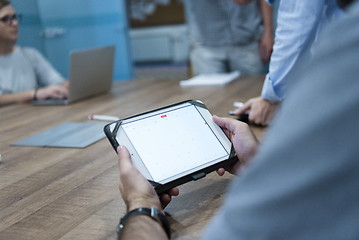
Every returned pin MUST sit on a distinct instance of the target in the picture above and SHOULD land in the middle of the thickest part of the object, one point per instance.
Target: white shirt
(26, 69)
(298, 26)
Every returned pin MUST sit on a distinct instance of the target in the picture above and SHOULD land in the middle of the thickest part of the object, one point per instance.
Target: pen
(231, 113)
(103, 117)
(238, 104)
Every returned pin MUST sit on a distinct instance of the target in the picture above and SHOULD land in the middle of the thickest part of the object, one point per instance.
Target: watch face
(155, 213)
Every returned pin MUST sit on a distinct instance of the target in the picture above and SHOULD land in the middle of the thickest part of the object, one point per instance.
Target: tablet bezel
(116, 135)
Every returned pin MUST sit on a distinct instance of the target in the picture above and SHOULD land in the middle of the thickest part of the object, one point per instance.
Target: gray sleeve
(46, 74)
(304, 182)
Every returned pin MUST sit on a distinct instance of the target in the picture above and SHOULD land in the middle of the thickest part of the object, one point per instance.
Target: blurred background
(150, 35)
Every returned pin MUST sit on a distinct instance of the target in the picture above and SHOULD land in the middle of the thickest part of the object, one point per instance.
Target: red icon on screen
(163, 116)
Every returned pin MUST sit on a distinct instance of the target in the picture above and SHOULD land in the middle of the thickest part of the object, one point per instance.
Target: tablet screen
(171, 143)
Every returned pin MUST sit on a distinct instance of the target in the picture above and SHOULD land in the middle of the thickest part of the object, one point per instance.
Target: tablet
(174, 144)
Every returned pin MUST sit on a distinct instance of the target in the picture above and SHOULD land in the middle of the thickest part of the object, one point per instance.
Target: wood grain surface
(63, 193)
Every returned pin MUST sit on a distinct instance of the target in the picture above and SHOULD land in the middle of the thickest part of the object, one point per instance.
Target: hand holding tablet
(174, 144)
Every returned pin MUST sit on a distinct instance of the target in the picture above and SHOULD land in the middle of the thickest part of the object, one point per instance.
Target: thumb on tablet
(124, 159)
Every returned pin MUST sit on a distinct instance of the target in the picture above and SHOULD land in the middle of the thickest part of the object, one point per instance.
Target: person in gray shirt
(302, 182)
(25, 73)
(228, 35)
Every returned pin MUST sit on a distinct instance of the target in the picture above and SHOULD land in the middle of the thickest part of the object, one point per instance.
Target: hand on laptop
(57, 91)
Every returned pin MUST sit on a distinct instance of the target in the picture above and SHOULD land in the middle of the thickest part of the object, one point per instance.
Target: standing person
(298, 26)
(228, 35)
(303, 181)
(24, 73)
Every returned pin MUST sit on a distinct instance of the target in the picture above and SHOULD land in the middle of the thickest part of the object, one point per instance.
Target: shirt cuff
(268, 92)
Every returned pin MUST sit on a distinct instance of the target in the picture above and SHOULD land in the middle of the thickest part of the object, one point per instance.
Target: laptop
(91, 74)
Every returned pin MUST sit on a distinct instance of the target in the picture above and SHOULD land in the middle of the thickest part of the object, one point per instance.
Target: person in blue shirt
(299, 24)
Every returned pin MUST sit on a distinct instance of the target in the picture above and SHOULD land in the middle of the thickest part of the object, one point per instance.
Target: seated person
(25, 73)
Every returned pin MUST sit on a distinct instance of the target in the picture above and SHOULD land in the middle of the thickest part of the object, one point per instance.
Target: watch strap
(153, 213)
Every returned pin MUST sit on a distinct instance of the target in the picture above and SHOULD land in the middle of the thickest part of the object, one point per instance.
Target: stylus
(103, 117)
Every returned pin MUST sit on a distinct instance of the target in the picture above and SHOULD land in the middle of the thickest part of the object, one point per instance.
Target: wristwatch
(153, 213)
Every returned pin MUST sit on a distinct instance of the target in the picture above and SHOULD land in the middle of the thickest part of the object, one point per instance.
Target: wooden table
(63, 193)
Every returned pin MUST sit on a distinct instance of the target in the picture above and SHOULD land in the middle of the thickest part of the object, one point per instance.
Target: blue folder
(66, 135)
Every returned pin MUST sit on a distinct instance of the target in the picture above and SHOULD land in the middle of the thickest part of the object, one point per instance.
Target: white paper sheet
(211, 79)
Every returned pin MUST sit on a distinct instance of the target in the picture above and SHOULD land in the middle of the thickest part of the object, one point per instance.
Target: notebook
(91, 74)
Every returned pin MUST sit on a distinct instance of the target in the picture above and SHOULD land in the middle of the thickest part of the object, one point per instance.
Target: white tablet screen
(173, 142)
